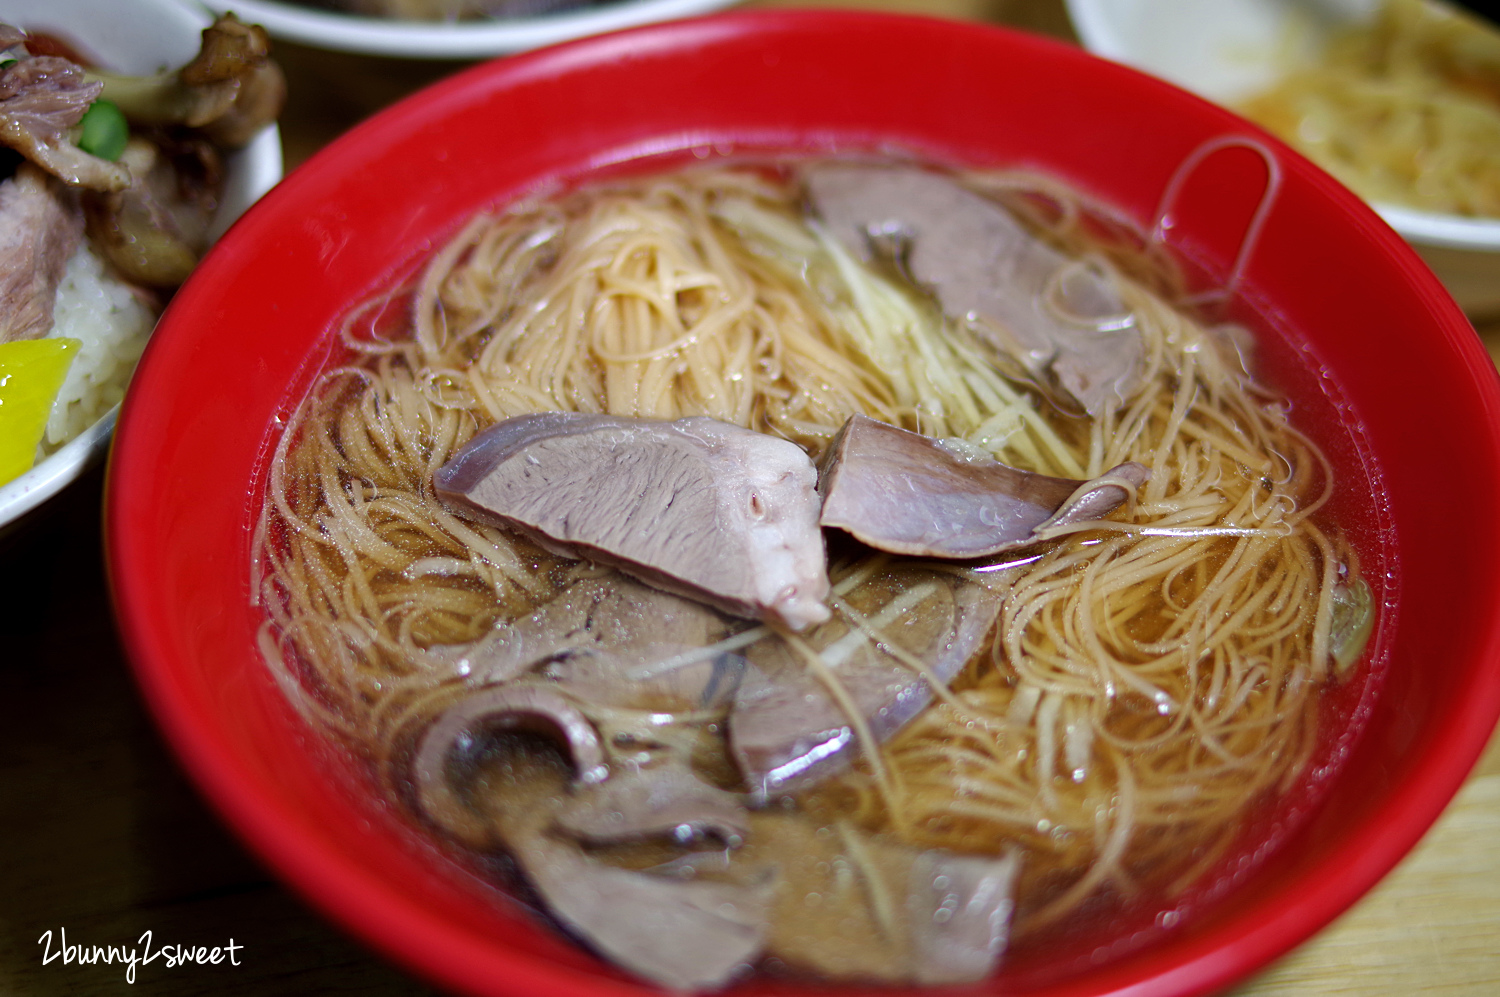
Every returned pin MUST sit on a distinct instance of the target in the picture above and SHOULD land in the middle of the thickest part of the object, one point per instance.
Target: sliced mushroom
(902, 492)
(697, 507)
(231, 89)
(155, 230)
(1062, 322)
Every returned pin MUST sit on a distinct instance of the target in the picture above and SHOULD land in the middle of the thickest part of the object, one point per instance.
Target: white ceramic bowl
(1225, 50)
(132, 36)
(465, 40)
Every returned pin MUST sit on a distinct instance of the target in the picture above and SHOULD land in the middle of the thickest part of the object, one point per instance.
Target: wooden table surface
(102, 837)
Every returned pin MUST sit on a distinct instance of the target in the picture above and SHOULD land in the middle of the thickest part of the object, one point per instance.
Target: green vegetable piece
(104, 131)
(31, 375)
(1353, 621)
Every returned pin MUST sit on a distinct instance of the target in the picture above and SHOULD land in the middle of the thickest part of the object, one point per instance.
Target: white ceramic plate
(465, 40)
(132, 36)
(1225, 50)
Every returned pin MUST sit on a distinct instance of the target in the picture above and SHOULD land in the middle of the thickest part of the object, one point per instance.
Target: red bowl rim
(373, 909)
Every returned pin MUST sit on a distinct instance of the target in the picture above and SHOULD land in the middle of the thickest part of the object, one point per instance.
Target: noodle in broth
(1150, 679)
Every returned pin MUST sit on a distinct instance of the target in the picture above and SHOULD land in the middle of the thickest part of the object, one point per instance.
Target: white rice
(112, 325)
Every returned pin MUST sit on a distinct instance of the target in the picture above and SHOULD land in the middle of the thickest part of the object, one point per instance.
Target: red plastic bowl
(1407, 392)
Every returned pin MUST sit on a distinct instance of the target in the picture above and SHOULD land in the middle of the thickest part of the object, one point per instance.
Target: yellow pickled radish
(31, 375)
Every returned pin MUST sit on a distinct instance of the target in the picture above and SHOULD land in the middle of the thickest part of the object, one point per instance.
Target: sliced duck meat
(1061, 321)
(902, 492)
(681, 933)
(41, 99)
(1098, 497)
(558, 627)
(613, 642)
(663, 678)
(652, 651)
(653, 801)
(961, 908)
(797, 721)
(41, 226)
(457, 736)
(697, 507)
(850, 905)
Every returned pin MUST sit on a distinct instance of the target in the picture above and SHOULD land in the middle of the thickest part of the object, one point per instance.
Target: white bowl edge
(468, 40)
(250, 172)
(1185, 42)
